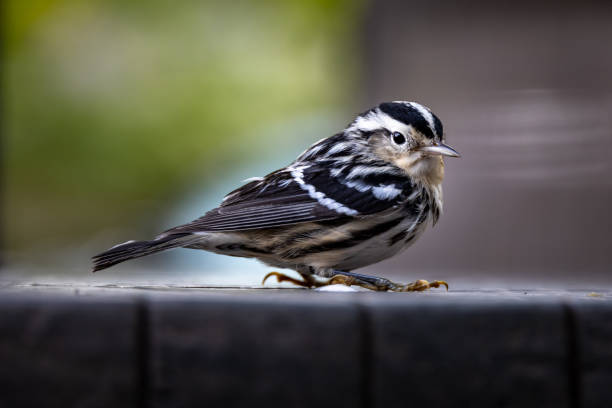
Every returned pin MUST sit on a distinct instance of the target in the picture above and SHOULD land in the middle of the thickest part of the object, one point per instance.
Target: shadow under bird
(350, 200)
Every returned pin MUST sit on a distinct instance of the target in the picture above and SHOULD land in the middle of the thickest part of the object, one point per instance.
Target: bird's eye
(398, 138)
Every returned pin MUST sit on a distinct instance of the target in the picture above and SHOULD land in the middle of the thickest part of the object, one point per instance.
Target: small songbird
(350, 200)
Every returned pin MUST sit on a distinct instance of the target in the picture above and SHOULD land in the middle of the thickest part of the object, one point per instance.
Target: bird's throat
(426, 170)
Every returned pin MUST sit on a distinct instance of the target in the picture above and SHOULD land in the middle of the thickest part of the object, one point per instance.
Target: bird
(348, 201)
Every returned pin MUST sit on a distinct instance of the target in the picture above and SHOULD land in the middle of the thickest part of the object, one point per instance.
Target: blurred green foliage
(111, 108)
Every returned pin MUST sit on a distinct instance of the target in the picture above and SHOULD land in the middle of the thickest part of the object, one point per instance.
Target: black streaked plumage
(356, 238)
(346, 190)
(348, 201)
(398, 237)
(410, 116)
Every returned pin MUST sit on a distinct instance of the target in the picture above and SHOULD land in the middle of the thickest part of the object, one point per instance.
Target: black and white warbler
(350, 200)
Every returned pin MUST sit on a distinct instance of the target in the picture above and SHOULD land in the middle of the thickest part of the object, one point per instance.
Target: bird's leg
(308, 282)
(349, 278)
(381, 284)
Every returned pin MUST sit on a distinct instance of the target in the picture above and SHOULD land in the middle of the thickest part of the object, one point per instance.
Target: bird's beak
(439, 149)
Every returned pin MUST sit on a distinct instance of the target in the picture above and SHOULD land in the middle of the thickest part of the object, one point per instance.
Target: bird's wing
(298, 194)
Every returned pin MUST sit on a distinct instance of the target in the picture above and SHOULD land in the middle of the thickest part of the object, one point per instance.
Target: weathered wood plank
(67, 352)
(480, 354)
(246, 352)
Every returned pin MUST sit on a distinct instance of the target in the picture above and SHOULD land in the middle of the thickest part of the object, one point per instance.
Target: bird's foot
(354, 279)
(307, 282)
(382, 284)
(419, 286)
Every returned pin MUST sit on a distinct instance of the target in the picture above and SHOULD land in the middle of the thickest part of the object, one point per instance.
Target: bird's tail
(136, 249)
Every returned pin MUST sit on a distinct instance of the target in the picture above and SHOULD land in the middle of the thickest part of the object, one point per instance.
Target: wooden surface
(165, 346)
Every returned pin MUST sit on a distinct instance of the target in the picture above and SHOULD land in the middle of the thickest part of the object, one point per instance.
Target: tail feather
(136, 249)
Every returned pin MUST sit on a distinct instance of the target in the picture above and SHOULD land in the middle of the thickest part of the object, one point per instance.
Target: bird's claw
(383, 285)
(376, 284)
(419, 286)
(308, 282)
(280, 277)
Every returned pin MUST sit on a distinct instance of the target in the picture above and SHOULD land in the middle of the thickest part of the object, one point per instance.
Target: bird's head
(408, 135)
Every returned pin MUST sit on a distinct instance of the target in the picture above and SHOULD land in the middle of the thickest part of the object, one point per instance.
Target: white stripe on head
(426, 113)
(375, 120)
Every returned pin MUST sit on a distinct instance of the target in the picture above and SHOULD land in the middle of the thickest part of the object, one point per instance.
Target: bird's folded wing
(285, 198)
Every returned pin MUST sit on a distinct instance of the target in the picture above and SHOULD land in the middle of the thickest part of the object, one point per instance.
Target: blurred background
(122, 119)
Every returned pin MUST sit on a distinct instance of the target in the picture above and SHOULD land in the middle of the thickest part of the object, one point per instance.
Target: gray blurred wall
(525, 93)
